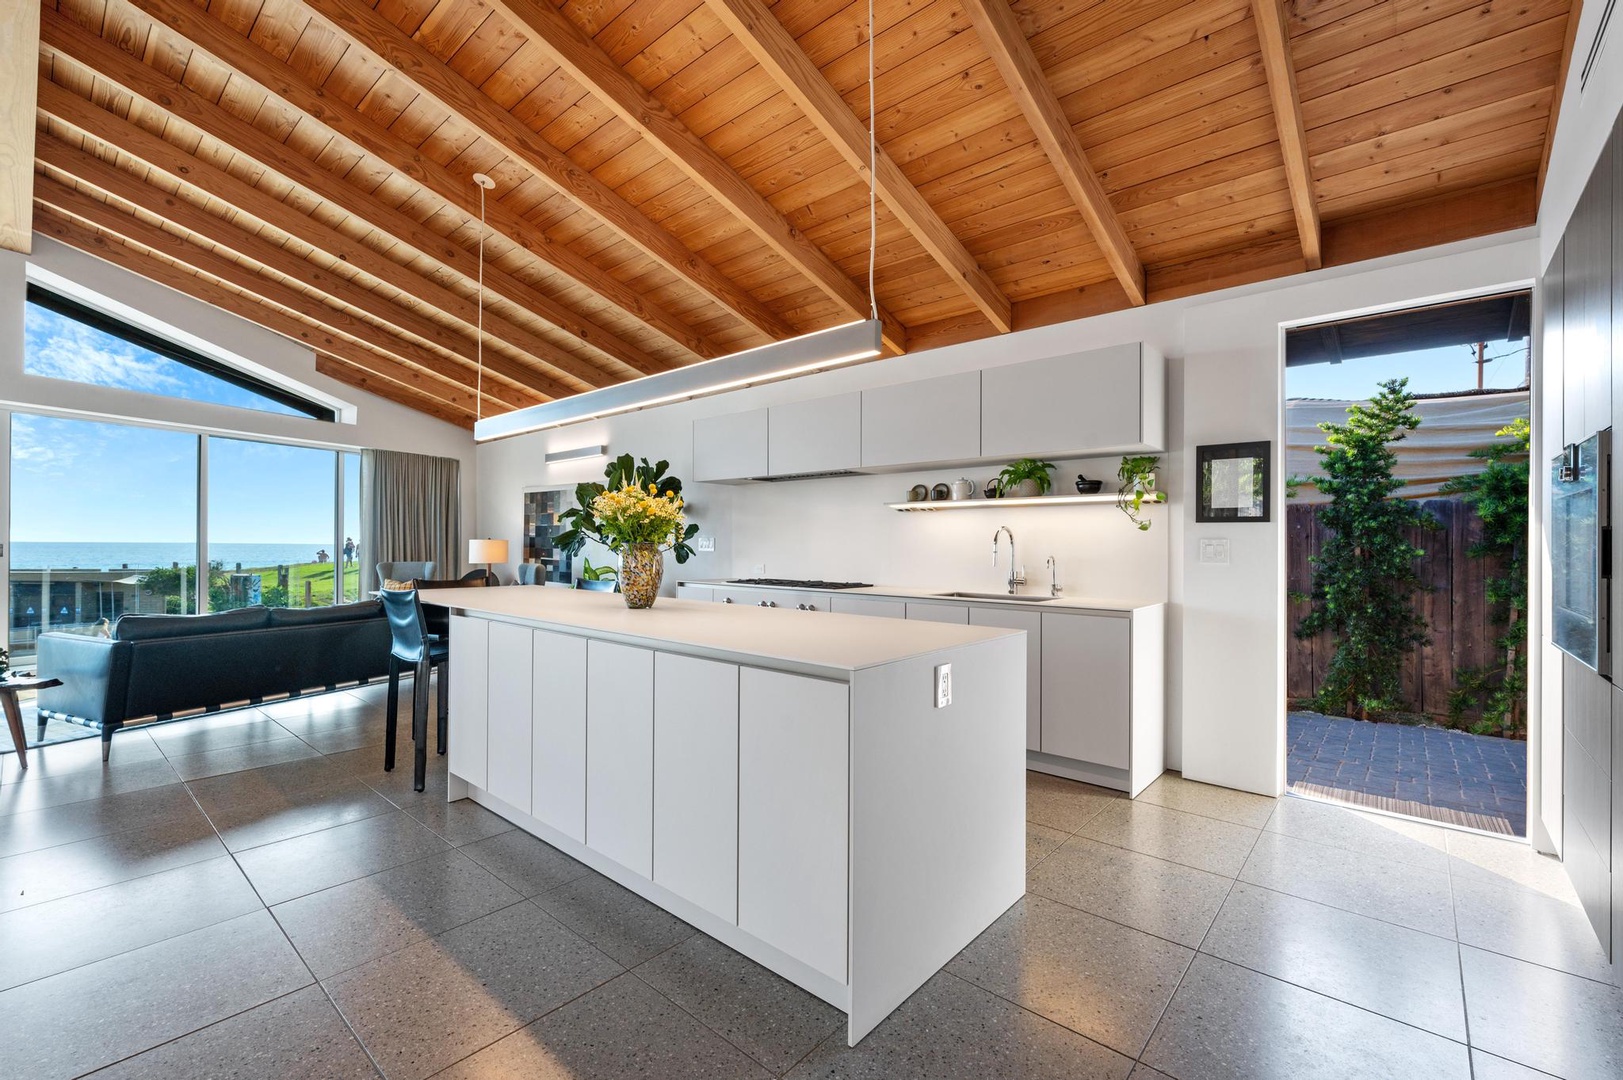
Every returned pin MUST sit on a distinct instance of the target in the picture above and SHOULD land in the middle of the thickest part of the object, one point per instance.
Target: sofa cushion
(366, 609)
(137, 627)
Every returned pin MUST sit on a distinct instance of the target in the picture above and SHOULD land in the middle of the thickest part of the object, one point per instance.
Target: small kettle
(963, 488)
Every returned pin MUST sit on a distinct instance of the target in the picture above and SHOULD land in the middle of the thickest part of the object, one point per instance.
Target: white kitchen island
(790, 787)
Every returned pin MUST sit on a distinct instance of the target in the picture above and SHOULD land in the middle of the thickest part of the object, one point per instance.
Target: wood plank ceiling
(680, 179)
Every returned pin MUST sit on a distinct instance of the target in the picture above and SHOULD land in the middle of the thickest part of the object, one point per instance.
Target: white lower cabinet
(696, 781)
(947, 613)
(558, 739)
(874, 606)
(620, 754)
(511, 691)
(1086, 688)
(468, 714)
(793, 805)
(1032, 623)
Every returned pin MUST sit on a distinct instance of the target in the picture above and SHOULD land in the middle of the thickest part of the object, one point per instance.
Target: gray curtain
(411, 509)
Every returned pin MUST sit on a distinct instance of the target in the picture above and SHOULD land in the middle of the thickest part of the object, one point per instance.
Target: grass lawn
(318, 577)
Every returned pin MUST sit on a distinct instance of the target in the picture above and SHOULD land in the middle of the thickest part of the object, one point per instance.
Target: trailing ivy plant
(1498, 494)
(1364, 576)
(623, 471)
(1137, 477)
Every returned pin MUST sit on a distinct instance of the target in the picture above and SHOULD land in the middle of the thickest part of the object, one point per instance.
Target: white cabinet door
(917, 423)
(793, 808)
(696, 781)
(958, 614)
(876, 606)
(695, 592)
(558, 746)
(1032, 623)
(820, 435)
(1086, 704)
(467, 719)
(1082, 403)
(732, 446)
(620, 754)
(511, 691)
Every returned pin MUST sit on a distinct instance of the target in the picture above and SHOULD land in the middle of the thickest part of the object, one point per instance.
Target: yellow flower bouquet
(639, 515)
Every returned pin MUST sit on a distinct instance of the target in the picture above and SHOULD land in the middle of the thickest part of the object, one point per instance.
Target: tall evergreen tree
(1364, 576)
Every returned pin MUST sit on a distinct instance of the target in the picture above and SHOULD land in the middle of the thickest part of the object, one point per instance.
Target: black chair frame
(412, 645)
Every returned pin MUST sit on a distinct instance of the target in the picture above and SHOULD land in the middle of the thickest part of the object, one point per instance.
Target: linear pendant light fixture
(801, 355)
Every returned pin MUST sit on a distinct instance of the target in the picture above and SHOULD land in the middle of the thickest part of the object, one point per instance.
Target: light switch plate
(704, 543)
(1214, 550)
(943, 685)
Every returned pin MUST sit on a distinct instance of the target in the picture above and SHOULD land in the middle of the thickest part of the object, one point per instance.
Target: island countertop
(822, 642)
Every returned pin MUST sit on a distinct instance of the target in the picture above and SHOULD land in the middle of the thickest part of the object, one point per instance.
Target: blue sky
(87, 482)
(1430, 371)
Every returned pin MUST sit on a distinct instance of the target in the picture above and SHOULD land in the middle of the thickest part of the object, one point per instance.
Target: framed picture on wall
(1233, 481)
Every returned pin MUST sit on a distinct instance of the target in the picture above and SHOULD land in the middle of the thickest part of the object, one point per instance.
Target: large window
(103, 521)
(64, 339)
(271, 515)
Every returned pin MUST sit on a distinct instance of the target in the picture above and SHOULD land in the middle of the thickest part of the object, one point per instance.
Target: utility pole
(1481, 361)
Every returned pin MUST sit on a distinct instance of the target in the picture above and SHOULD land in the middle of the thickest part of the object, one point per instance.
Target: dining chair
(403, 571)
(411, 643)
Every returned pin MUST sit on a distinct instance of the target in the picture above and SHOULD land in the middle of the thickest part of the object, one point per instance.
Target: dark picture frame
(1234, 482)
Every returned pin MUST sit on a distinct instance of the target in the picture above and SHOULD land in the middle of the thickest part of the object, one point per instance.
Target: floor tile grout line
(1131, 1058)
(696, 1018)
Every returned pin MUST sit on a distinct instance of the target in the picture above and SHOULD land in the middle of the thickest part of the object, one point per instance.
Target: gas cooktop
(792, 583)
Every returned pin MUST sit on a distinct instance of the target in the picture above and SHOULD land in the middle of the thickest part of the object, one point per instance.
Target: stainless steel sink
(994, 596)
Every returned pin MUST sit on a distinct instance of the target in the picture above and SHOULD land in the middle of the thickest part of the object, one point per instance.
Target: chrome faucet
(1054, 587)
(1016, 578)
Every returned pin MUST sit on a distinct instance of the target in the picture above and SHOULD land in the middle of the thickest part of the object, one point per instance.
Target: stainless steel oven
(1581, 550)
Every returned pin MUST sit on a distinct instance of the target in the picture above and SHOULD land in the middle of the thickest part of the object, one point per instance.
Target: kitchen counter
(839, 798)
(835, 646)
(902, 592)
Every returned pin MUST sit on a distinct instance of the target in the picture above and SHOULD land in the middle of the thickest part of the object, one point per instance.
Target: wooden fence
(1453, 602)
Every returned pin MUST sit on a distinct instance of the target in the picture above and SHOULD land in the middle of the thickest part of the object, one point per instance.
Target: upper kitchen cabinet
(932, 421)
(733, 446)
(1105, 401)
(817, 436)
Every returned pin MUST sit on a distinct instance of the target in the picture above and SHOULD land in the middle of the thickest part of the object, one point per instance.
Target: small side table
(9, 689)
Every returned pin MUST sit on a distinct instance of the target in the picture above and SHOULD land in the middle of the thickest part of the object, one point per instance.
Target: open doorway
(1406, 523)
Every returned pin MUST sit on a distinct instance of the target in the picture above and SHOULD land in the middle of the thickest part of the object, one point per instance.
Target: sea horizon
(69, 555)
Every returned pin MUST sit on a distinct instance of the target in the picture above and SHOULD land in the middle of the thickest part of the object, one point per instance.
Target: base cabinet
(558, 738)
(793, 805)
(508, 754)
(1032, 623)
(1086, 688)
(696, 781)
(620, 754)
(468, 668)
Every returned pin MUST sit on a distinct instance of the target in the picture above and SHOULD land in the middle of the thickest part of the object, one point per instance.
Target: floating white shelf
(1039, 500)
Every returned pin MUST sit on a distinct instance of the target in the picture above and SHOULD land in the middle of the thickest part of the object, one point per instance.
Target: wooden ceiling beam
(90, 170)
(19, 44)
(106, 60)
(376, 36)
(595, 70)
(1274, 37)
(165, 157)
(244, 57)
(387, 389)
(449, 405)
(776, 50)
(1000, 32)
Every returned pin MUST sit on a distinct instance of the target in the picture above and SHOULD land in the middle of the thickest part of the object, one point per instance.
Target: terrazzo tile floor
(248, 895)
(1453, 777)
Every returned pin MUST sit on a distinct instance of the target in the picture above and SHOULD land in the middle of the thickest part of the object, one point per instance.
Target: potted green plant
(638, 515)
(598, 573)
(1025, 479)
(5, 662)
(1137, 476)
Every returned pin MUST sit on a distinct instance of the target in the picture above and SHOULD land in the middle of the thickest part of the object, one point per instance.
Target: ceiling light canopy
(780, 360)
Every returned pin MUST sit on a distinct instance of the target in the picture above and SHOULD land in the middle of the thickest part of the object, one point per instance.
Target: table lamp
(487, 551)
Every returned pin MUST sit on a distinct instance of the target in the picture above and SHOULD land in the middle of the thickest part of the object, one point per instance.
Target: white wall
(372, 422)
(1581, 131)
(1226, 624)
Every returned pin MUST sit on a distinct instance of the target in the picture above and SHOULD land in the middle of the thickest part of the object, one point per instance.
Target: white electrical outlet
(943, 685)
(704, 543)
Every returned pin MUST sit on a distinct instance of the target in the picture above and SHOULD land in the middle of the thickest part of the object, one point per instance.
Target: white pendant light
(801, 355)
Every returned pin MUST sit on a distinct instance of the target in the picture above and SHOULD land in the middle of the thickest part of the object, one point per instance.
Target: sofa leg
(391, 721)
(106, 742)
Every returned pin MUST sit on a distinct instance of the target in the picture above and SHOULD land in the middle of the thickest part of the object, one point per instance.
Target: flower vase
(642, 567)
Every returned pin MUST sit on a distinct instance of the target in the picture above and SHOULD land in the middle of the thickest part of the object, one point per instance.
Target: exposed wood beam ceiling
(1023, 76)
(681, 180)
(19, 40)
(1281, 70)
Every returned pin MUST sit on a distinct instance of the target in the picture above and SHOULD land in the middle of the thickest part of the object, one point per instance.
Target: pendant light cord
(479, 378)
(873, 177)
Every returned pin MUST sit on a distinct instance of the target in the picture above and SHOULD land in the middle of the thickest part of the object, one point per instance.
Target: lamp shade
(487, 551)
